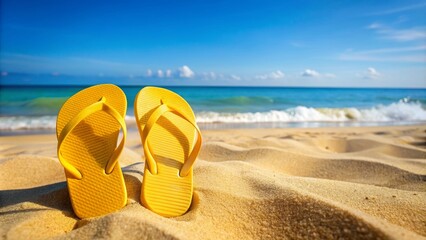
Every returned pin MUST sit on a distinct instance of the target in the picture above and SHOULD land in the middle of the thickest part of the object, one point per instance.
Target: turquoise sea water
(36, 107)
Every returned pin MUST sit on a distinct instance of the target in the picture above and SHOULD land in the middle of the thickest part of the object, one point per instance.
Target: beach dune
(313, 183)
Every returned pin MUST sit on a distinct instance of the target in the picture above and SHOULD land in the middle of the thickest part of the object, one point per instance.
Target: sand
(324, 183)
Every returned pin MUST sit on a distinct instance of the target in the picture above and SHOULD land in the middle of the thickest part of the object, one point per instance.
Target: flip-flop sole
(171, 140)
(89, 147)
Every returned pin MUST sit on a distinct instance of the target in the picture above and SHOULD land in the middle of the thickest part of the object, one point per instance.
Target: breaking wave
(402, 111)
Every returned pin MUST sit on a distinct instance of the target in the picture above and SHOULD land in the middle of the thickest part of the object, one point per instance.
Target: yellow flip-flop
(87, 128)
(171, 140)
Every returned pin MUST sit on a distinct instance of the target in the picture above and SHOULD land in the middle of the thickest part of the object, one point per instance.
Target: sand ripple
(348, 183)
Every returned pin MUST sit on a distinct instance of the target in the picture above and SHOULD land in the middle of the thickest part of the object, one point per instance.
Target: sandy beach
(301, 183)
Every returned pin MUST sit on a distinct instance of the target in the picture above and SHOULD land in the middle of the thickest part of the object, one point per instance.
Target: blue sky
(267, 43)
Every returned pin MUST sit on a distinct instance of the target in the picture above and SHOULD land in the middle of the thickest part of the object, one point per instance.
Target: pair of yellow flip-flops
(88, 128)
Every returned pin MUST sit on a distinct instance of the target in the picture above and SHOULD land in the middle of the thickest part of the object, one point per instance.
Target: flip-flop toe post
(171, 140)
(88, 128)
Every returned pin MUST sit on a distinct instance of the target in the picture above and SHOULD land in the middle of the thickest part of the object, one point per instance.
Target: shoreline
(131, 126)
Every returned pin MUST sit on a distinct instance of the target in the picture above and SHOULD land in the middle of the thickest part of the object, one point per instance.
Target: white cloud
(148, 72)
(400, 35)
(391, 50)
(374, 26)
(160, 73)
(371, 73)
(209, 75)
(15, 62)
(405, 34)
(168, 73)
(235, 77)
(310, 73)
(313, 73)
(185, 72)
(404, 54)
(273, 75)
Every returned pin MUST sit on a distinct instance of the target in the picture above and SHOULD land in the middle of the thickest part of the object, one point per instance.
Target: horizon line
(202, 86)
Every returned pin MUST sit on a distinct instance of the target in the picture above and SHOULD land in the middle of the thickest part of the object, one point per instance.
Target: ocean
(33, 109)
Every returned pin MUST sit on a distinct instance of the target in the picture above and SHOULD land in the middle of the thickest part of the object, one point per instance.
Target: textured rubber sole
(89, 148)
(171, 140)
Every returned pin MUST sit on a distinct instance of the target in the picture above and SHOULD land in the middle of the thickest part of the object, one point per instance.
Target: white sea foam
(402, 111)
(27, 123)
(12, 123)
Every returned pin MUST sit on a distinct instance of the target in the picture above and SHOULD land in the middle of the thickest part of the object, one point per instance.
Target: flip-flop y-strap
(101, 105)
(157, 113)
